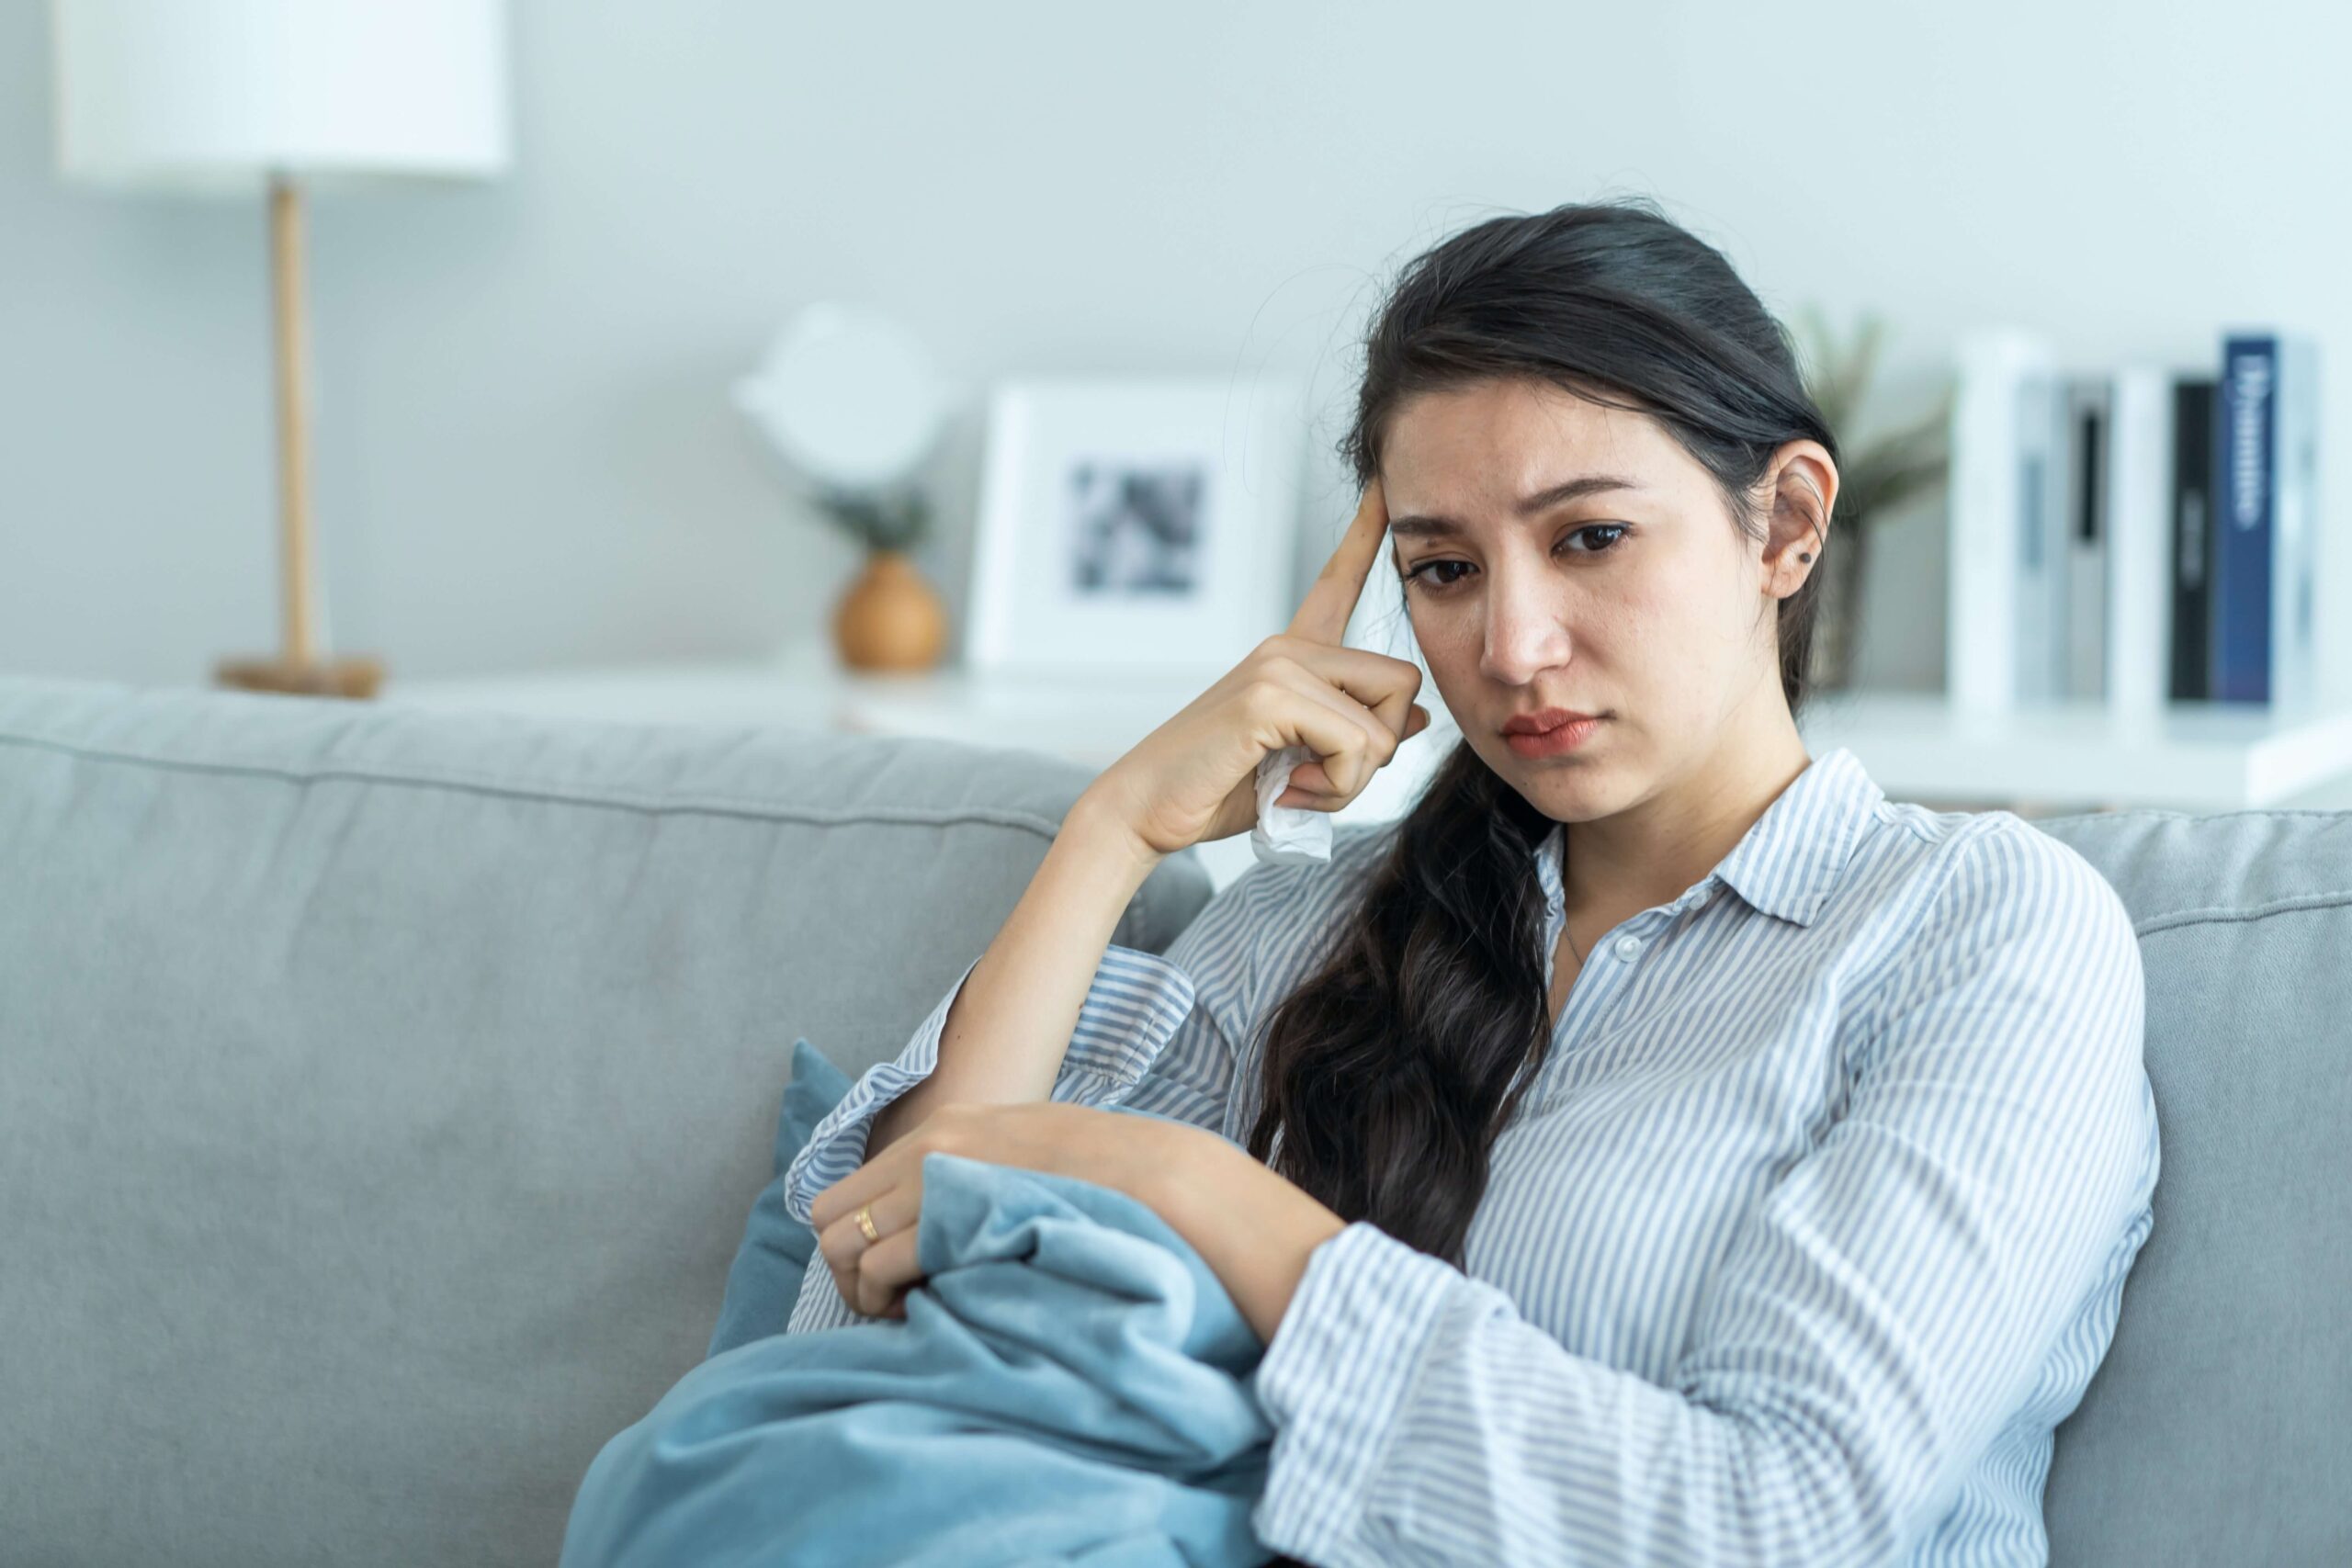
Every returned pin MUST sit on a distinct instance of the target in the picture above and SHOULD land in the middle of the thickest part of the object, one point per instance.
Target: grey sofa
(382, 1092)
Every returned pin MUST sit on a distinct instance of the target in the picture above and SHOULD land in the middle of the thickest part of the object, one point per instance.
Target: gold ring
(865, 1222)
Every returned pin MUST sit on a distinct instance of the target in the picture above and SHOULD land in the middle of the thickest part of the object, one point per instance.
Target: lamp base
(356, 676)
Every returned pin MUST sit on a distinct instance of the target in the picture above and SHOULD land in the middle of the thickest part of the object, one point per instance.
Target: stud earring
(1804, 557)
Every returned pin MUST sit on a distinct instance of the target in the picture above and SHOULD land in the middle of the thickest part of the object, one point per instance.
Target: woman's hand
(1106, 1147)
(1254, 1229)
(1193, 779)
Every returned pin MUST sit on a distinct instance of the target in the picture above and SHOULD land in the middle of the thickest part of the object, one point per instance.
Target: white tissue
(1287, 835)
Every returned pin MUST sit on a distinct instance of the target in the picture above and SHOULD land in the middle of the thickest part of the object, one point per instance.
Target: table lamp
(235, 97)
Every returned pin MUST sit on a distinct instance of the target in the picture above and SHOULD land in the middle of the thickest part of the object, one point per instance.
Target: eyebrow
(1422, 527)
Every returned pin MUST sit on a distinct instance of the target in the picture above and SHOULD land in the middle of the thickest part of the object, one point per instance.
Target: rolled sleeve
(1134, 1005)
(1334, 1379)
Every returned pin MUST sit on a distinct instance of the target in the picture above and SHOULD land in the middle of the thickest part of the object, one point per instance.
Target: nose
(1526, 631)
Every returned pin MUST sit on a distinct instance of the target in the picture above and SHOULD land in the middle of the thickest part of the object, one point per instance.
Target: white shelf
(2191, 757)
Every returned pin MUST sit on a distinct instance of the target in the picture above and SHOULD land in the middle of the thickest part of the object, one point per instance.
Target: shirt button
(1628, 947)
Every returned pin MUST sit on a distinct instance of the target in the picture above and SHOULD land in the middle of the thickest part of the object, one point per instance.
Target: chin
(1568, 788)
(1564, 802)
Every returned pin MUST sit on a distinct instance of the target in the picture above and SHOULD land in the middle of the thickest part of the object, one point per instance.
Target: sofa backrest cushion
(382, 1089)
(2216, 1429)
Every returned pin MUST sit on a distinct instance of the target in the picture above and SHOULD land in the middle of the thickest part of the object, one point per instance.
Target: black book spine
(2192, 537)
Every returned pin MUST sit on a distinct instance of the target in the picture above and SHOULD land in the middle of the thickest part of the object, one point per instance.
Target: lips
(1540, 721)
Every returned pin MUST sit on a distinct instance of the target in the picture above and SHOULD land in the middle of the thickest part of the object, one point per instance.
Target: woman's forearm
(1005, 1036)
(1254, 1228)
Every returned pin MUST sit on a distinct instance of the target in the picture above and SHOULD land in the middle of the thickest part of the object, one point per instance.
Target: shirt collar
(1789, 861)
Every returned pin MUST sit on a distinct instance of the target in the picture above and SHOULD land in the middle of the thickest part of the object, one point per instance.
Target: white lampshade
(217, 95)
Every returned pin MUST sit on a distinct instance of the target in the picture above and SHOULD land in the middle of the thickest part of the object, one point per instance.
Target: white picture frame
(1134, 525)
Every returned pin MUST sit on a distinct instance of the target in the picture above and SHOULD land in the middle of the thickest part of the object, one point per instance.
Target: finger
(1333, 738)
(1308, 781)
(1384, 684)
(885, 1269)
(1372, 737)
(1323, 616)
(1309, 785)
(843, 1240)
(863, 1185)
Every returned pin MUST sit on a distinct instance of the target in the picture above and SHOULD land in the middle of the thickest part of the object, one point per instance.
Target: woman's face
(1635, 599)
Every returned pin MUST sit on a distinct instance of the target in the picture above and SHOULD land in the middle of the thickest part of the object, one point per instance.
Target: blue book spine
(2244, 460)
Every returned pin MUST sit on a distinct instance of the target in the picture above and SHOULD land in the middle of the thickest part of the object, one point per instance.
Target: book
(2193, 417)
(2045, 529)
(2082, 644)
(2133, 534)
(2001, 440)
(2266, 460)
(2138, 521)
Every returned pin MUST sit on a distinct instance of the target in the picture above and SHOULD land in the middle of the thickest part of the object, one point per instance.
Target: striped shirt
(1812, 1227)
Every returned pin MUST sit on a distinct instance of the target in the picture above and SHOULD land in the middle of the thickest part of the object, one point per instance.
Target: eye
(1433, 584)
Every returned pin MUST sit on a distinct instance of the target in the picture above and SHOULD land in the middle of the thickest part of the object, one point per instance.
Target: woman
(1659, 1146)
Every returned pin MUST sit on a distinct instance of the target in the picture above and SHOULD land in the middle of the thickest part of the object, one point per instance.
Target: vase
(889, 617)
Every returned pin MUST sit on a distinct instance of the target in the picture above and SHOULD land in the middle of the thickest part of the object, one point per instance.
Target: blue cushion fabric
(764, 1279)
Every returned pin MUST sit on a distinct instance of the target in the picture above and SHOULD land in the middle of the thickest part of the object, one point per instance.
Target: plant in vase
(852, 406)
(1874, 478)
(889, 617)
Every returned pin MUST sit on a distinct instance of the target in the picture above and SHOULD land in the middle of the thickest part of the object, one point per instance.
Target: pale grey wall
(525, 452)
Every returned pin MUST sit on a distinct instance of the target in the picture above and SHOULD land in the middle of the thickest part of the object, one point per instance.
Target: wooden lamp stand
(298, 667)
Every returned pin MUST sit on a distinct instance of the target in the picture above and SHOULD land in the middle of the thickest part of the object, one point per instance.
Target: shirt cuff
(818, 1305)
(1132, 1008)
(1335, 1378)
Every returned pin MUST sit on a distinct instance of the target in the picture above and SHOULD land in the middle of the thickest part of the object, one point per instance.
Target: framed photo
(1134, 525)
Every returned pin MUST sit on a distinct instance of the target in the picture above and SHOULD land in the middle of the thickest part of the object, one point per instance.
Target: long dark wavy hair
(1389, 1071)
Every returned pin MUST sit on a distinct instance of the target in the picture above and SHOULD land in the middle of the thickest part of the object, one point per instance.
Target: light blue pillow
(765, 1279)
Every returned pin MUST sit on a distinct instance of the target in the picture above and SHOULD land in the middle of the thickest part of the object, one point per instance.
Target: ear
(1802, 485)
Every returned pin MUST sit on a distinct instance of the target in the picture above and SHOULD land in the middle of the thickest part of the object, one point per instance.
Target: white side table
(1090, 721)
